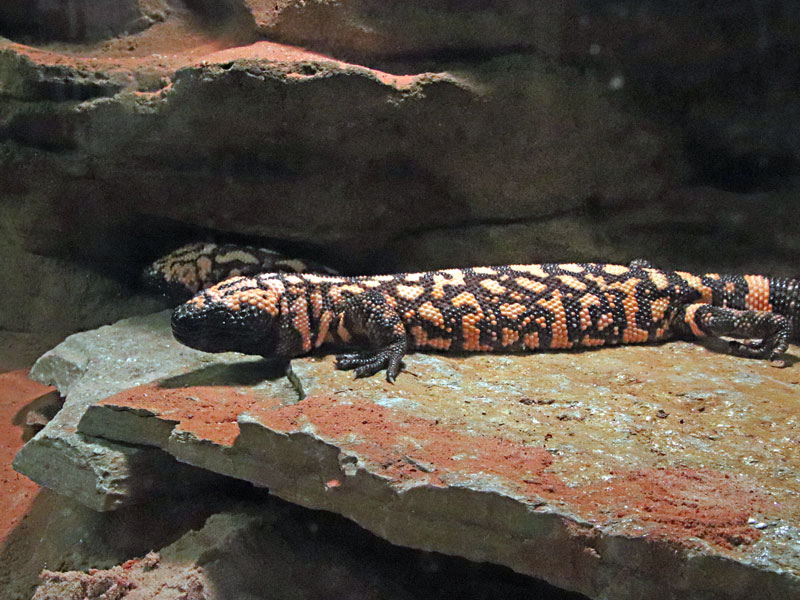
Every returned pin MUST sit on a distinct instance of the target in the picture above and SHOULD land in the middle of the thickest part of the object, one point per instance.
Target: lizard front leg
(368, 316)
(768, 332)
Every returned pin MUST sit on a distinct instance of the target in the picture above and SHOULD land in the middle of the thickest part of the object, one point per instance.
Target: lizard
(498, 308)
(185, 271)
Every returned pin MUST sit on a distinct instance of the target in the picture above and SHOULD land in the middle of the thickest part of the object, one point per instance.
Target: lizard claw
(369, 363)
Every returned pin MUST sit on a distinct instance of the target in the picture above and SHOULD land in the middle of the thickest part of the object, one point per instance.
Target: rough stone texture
(251, 539)
(78, 19)
(251, 547)
(17, 492)
(100, 473)
(330, 139)
(372, 30)
(606, 472)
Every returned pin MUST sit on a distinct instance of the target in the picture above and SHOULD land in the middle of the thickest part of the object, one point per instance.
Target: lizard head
(240, 314)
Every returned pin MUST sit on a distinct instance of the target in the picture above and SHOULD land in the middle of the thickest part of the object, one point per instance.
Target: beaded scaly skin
(506, 308)
(182, 273)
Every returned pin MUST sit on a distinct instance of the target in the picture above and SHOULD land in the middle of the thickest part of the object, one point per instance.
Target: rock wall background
(384, 135)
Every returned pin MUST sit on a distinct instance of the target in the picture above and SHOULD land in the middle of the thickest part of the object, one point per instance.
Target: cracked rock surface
(642, 471)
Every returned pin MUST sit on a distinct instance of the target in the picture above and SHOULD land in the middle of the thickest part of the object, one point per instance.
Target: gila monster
(504, 308)
(182, 273)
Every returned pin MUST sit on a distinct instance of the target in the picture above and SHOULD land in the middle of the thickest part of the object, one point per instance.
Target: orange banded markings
(492, 286)
(573, 282)
(571, 267)
(316, 302)
(757, 297)
(587, 300)
(240, 255)
(336, 291)
(470, 332)
(531, 284)
(659, 279)
(632, 334)
(300, 321)
(559, 325)
(512, 311)
(293, 279)
(658, 308)
(604, 321)
(729, 287)
(452, 277)
(531, 340)
(713, 276)
(314, 278)
(690, 320)
(410, 292)
(616, 269)
(204, 266)
(421, 339)
(696, 283)
(536, 270)
(432, 314)
(342, 332)
(598, 279)
(264, 300)
(413, 277)
(468, 299)
(370, 283)
(484, 270)
(590, 341)
(628, 286)
(382, 278)
(323, 329)
(510, 336)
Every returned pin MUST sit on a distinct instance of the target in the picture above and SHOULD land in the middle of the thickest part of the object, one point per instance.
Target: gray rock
(641, 471)
(85, 368)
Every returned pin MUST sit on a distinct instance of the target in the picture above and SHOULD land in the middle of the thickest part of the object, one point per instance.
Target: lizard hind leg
(371, 316)
(767, 333)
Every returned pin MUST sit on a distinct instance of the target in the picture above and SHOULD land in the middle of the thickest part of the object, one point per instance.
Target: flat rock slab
(643, 471)
(87, 367)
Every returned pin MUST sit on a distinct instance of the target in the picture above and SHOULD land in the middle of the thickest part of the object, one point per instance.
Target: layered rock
(603, 472)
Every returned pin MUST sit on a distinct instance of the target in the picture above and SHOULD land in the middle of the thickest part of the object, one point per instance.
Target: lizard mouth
(215, 331)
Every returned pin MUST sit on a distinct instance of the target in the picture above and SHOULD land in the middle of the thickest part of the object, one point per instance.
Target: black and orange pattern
(182, 273)
(505, 308)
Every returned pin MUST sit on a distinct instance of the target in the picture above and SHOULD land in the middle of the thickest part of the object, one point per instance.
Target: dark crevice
(240, 165)
(157, 236)
(30, 22)
(747, 172)
(491, 222)
(417, 61)
(47, 132)
(66, 89)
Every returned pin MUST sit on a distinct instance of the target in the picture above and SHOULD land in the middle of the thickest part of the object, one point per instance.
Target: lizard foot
(370, 362)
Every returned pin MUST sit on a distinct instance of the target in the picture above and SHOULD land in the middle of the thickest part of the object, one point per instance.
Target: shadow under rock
(244, 373)
(315, 554)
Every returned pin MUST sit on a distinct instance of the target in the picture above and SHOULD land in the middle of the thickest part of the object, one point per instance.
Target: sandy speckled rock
(604, 472)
